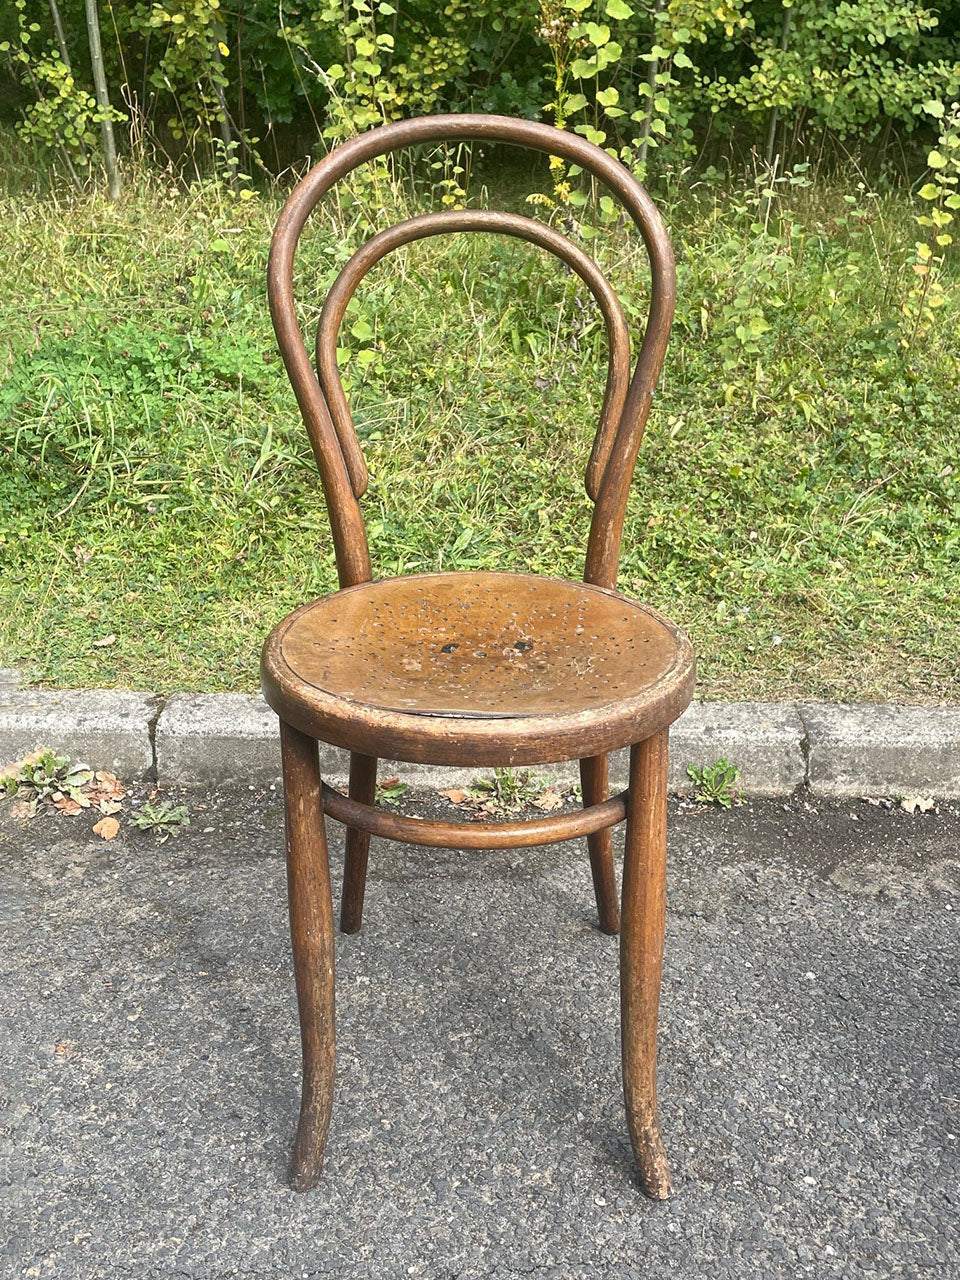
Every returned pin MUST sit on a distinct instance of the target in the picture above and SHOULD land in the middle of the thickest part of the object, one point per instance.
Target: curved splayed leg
(641, 956)
(311, 932)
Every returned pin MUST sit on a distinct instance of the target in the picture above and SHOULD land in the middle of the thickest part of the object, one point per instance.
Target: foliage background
(706, 78)
(797, 499)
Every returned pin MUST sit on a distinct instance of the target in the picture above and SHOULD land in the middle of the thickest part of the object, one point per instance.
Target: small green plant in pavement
(508, 791)
(43, 774)
(391, 790)
(716, 783)
(165, 818)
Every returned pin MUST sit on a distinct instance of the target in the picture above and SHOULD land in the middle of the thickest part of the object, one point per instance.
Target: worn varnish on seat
(476, 669)
(562, 662)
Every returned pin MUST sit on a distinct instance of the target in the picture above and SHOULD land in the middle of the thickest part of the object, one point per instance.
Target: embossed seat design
(478, 668)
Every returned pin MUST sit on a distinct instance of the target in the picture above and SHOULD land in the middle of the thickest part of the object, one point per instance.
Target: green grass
(797, 496)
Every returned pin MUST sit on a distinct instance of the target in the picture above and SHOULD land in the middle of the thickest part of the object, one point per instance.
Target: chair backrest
(320, 394)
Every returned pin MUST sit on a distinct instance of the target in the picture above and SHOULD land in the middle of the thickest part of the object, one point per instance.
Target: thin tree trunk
(61, 38)
(884, 143)
(241, 102)
(771, 135)
(68, 164)
(799, 121)
(143, 83)
(103, 99)
(653, 70)
(775, 111)
(231, 159)
(65, 58)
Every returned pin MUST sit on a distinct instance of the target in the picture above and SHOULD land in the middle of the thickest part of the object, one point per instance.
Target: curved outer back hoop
(335, 447)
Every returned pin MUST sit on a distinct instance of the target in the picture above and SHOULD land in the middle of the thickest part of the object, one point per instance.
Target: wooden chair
(476, 669)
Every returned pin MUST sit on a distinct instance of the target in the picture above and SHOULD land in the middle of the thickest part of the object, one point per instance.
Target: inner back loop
(460, 220)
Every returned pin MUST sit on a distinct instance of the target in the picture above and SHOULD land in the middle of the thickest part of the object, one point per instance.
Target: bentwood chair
(476, 669)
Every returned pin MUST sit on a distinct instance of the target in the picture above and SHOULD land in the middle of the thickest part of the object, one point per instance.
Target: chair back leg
(643, 909)
(594, 784)
(363, 787)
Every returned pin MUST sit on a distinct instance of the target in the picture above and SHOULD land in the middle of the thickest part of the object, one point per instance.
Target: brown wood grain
(458, 221)
(475, 835)
(363, 789)
(311, 934)
(478, 669)
(343, 473)
(643, 916)
(594, 783)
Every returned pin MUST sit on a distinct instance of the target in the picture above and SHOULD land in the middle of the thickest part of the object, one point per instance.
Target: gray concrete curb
(202, 740)
(901, 750)
(104, 728)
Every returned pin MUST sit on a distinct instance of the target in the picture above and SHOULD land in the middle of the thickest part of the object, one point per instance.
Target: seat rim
(428, 738)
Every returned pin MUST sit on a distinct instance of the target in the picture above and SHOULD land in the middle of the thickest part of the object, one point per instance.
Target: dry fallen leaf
(109, 782)
(14, 770)
(455, 796)
(20, 809)
(68, 806)
(109, 806)
(107, 640)
(917, 804)
(106, 828)
(549, 800)
(105, 786)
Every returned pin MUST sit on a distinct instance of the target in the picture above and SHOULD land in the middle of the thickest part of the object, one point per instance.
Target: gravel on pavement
(810, 1076)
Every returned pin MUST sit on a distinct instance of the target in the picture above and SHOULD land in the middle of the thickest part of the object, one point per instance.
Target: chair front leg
(641, 956)
(311, 932)
(594, 784)
(363, 787)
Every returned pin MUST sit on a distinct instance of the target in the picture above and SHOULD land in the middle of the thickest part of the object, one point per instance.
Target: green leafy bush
(236, 89)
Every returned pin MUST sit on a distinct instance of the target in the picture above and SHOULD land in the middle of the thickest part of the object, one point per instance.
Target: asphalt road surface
(810, 1074)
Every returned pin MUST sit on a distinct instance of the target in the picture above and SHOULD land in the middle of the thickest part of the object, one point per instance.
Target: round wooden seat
(477, 668)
